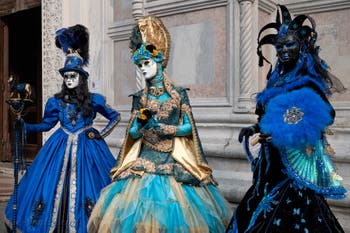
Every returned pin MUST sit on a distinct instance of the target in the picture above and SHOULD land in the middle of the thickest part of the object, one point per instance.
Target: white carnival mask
(71, 79)
(148, 68)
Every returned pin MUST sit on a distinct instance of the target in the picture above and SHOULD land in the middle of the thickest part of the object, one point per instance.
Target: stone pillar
(246, 56)
(138, 10)
(52, 58)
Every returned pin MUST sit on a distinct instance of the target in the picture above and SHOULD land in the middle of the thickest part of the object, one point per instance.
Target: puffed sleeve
(100, 106)
(50, 118)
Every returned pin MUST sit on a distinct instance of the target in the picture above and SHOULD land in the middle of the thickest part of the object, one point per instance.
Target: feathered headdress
(74, 42)
(150, 39)
(306, 35)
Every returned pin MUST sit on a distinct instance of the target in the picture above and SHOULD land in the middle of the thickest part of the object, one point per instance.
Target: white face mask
(148, 68)
(71, 79)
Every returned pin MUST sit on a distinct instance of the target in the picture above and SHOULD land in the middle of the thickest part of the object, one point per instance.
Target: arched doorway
(20, 57)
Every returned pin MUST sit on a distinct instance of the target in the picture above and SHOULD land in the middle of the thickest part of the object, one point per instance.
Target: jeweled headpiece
(146, 52)
(150, 39)
(309, 62)
(74, 42)
(305, 34)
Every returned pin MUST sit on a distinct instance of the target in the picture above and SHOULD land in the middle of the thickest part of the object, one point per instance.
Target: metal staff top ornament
(20, 97)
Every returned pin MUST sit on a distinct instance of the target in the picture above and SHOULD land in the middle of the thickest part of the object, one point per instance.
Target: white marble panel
(192, 60)
(124, 78)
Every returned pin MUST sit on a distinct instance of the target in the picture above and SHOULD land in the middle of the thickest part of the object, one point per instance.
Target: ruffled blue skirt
(76, 169)
(158, 203)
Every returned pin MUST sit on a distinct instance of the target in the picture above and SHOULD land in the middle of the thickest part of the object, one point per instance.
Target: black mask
(287, 48)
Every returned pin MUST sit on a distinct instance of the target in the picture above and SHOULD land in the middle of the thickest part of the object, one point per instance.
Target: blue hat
(74, 42)
(74, 63)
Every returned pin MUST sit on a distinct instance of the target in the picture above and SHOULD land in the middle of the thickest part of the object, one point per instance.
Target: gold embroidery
(175, 96)
(309, 150)
(168, 129)
(152, 140)
(162, 110)
(154, 32)
(109, 129)
(73, 185)
(167, 145)
(72, 142)
(156, 91)
(329, 151)
(59, 187)
(150, 167)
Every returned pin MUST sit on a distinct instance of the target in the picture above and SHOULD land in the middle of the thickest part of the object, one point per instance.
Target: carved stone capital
(242, 1)
(138, 8)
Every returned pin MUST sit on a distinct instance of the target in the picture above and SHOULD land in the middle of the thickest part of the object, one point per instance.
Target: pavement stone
(2, 219)
(6, 189)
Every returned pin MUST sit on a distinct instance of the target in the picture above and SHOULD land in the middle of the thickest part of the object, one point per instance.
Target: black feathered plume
(74, 39)
(286, 18)
(135, 39)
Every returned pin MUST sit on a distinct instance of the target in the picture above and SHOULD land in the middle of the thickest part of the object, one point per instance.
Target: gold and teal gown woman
(162, 181)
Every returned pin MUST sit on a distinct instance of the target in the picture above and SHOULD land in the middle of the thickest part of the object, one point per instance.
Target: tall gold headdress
(150, 30)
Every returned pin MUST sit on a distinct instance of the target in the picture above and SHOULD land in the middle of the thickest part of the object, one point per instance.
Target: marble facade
(214, 54)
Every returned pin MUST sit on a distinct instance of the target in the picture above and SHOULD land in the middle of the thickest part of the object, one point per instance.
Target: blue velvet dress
(160, 185)
(61, 186)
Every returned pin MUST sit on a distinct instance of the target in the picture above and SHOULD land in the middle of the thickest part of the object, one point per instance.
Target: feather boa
(315, 117)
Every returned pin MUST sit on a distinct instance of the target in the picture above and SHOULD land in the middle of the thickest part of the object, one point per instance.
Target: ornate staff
(19, 101)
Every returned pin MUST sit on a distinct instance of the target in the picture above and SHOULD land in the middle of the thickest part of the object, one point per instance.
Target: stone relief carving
(52, 59)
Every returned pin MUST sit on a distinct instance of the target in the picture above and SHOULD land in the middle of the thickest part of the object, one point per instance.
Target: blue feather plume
(65, 39)
(316, 116)
(74, 39)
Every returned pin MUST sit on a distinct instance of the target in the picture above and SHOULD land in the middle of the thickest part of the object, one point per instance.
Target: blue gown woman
(293, 173)
(61, 186)
(162, 182)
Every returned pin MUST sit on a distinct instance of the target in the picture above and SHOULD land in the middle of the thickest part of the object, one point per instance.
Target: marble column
(138, 11)
(138, 8)
(52, 58)
(246, 56)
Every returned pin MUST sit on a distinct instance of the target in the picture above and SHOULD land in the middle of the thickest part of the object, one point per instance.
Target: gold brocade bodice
(166, 113)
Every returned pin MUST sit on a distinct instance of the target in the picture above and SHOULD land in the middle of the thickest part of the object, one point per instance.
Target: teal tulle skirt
(156, 203)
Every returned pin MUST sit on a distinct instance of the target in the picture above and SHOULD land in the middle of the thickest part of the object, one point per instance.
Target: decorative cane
(19, 101)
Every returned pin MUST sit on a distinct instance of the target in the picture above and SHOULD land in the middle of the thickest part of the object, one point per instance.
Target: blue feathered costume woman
(61, 186)
(162, 182)
(293, 173)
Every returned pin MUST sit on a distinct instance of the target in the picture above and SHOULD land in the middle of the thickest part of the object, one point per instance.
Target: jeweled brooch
(293, 115)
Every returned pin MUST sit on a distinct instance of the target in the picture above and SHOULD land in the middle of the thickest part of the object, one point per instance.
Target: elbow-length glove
(248, 131)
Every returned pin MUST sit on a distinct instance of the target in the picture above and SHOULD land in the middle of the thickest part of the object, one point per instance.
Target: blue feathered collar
(297, 82)
(280, 83)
